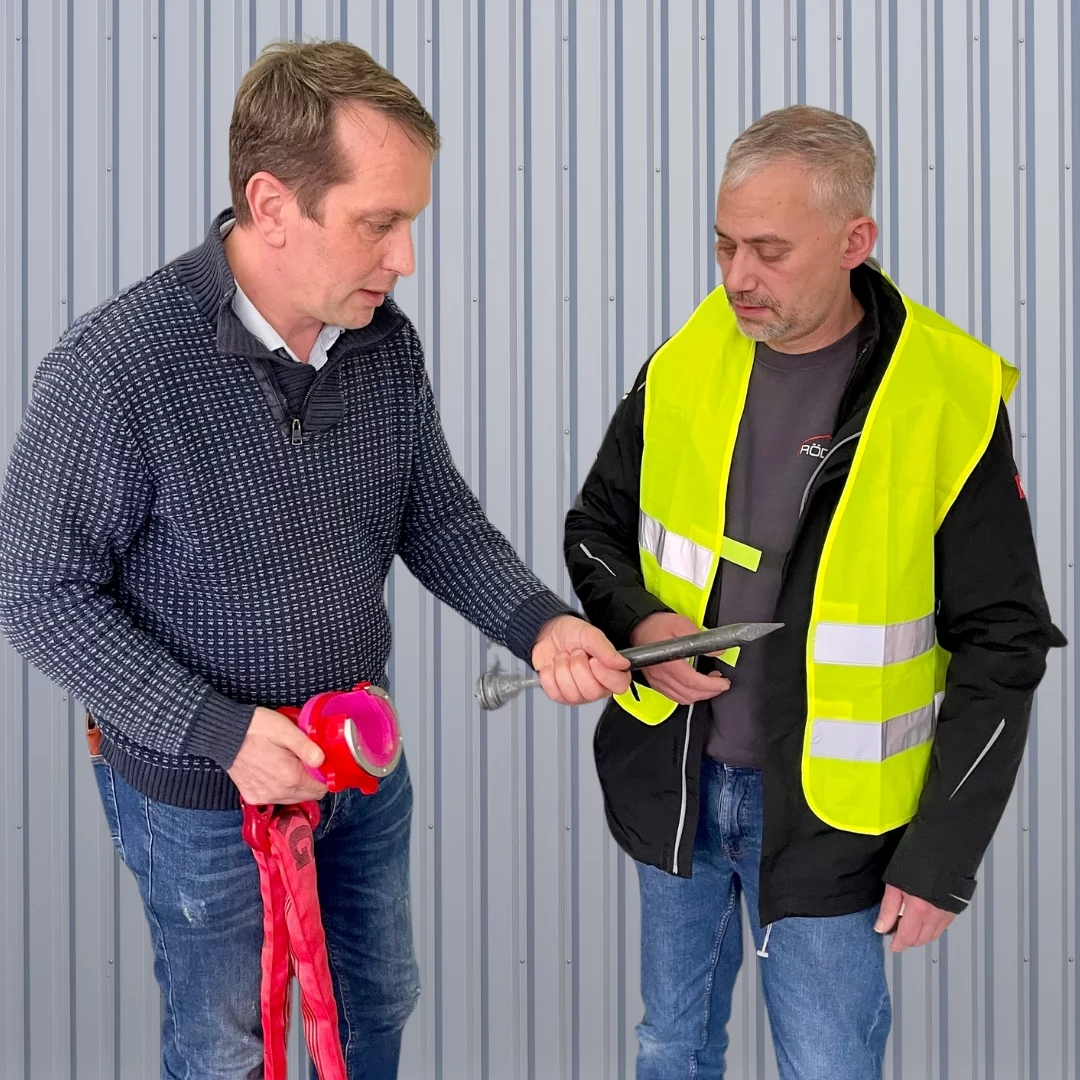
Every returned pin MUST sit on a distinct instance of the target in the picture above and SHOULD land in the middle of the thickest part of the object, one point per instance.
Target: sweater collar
(204, 272)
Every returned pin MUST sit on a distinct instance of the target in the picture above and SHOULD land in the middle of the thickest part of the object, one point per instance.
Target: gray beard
(766, 332)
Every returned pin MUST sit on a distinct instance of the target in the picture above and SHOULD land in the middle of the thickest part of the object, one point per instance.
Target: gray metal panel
(573, 200)
(13, 671)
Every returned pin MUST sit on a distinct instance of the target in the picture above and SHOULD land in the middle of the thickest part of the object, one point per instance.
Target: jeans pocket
(103, 774)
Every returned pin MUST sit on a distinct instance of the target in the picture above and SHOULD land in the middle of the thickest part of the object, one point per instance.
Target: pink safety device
(358, 732)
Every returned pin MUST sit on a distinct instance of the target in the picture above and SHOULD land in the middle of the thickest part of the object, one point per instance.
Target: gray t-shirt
(786, 430)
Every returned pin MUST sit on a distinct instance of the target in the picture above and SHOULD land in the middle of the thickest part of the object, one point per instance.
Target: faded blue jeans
(200, 889)
(823, 979)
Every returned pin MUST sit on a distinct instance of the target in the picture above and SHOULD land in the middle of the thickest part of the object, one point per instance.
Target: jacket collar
(878, 334)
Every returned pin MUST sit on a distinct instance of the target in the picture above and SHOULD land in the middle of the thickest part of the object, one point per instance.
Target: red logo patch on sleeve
(1020, 486)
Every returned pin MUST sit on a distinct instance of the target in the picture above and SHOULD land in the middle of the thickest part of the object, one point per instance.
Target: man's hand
(270, 765)
(917, 922)
(576, 662)
(676, 679)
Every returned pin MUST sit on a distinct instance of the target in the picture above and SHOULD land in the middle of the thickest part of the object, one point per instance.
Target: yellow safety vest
(874, 671)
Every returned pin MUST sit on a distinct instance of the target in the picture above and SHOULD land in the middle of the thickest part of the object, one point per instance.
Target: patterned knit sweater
(184, 536)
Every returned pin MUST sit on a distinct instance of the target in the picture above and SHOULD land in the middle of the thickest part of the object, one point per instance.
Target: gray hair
(835, 151)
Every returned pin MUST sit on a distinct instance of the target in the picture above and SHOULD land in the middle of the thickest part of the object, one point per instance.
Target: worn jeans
(200, 889)
(823, 979)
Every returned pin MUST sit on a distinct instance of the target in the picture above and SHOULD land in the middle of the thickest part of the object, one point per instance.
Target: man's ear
(268, 198)
(861, 236)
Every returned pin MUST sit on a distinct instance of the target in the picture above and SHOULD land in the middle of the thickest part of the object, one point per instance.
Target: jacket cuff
(219, 729)
(529, 619)
(622, 618)
(945, 889)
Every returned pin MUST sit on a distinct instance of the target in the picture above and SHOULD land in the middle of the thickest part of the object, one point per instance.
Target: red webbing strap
(293, 940)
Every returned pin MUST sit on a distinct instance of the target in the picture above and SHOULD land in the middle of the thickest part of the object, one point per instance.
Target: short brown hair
(835, 151)
(284, 115)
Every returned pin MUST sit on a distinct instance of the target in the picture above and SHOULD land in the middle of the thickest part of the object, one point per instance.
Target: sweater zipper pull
(296, 436)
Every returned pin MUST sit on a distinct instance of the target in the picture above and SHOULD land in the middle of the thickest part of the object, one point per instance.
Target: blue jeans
(200, 888)
(823, 979)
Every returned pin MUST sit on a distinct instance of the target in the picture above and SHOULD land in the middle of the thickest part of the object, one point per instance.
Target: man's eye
(772, 256)
(726, 250)
(381, 227)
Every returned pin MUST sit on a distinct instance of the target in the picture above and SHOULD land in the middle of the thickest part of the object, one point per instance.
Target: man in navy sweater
(215, 472)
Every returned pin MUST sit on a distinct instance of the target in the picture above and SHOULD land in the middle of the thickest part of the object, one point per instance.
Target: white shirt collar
(256, 325)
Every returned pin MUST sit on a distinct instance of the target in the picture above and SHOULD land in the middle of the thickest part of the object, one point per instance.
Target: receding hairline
(288, 114)
(359, 111)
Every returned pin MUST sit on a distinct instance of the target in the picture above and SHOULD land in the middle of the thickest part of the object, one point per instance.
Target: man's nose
(401, 256)
(739, 276)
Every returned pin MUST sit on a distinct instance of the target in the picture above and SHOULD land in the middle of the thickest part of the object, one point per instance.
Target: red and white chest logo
(817, 446)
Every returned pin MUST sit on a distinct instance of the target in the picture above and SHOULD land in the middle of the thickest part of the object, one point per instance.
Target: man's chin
(759, 329)
(357, 315)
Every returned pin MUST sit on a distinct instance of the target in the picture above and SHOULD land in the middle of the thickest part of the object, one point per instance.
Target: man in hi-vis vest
(816, 448)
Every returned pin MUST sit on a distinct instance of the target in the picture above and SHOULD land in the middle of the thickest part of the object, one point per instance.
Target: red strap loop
(360, 738)
(282, 839)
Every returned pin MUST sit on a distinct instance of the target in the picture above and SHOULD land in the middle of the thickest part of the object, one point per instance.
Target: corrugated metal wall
(568, 235)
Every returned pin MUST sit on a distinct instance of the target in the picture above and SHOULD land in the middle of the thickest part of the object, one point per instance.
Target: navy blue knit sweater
(182, 538)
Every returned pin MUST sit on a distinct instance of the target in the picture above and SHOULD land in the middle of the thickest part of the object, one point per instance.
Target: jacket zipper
(856, 370)
(821, 465)
(682, 808)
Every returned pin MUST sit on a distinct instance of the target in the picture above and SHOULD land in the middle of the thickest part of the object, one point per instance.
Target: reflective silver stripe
(982, 753)
(852, 740)
(674, 553)
(589, 555)
(873, 646)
